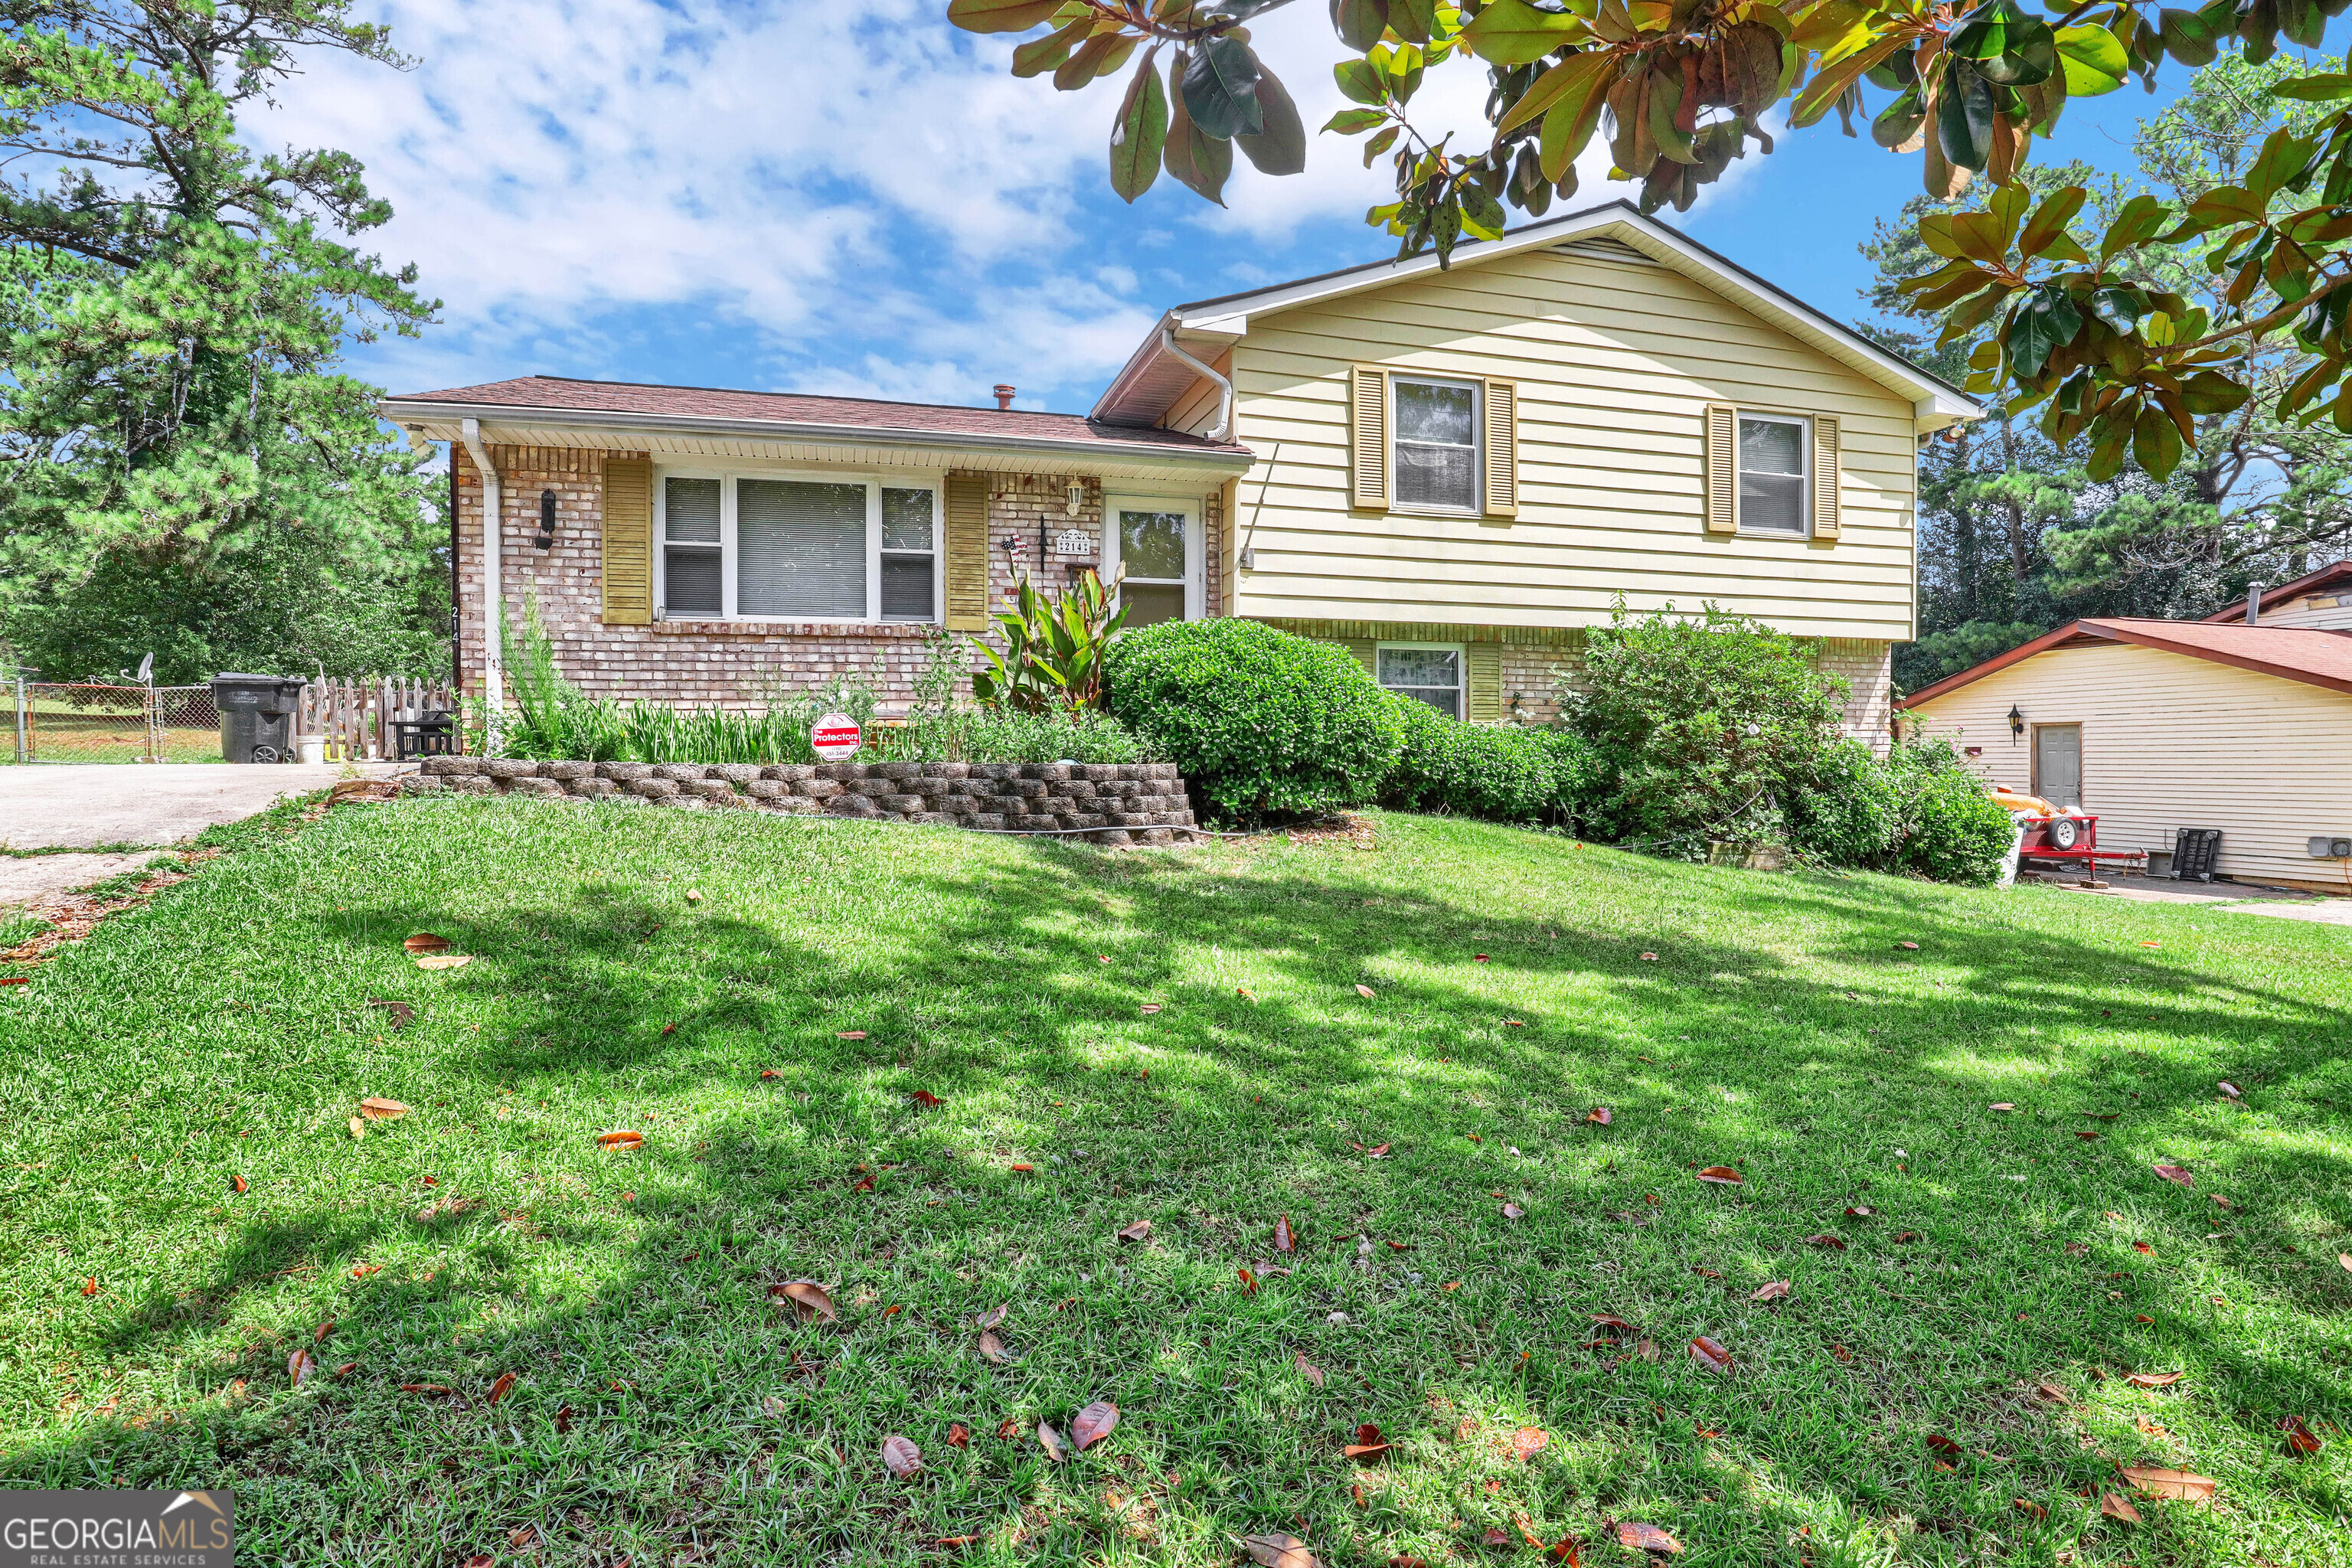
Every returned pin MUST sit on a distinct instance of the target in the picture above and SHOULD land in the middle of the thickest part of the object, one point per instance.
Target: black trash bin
(256, 716)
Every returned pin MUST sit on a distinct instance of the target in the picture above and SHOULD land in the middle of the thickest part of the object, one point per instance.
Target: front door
(2058, 765)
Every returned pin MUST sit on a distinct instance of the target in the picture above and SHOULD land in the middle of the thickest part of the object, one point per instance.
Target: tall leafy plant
(1054, 646)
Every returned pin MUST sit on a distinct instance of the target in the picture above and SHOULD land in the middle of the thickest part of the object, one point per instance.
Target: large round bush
(1849, 811)
(1259, 722)
(1505, 774)
(1957, 832)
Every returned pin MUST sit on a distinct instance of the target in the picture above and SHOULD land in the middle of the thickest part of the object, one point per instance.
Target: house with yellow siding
(1457, 471)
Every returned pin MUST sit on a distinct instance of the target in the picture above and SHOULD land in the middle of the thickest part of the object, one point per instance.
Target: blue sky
(860, 200)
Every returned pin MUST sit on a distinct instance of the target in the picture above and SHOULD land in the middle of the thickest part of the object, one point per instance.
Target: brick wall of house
(717, 662)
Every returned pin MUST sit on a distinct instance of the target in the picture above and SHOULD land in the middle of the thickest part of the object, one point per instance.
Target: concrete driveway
(151, 805)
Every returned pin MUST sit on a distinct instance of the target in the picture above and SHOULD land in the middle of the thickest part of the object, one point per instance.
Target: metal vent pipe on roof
(2253, 604)
(1003, 395)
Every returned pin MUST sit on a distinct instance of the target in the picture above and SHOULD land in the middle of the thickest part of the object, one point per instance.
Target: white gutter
(1225, 388)
(494, 607)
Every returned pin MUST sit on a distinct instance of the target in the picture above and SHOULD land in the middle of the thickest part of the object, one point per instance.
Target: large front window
(757, 547)
(1436, 444)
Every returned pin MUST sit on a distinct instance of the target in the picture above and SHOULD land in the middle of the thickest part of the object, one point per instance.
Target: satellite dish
(146, 670)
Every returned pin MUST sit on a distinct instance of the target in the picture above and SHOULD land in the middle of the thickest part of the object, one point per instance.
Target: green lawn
(663, 1411)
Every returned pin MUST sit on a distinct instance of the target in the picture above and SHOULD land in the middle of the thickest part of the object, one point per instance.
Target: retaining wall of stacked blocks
(1107, 802)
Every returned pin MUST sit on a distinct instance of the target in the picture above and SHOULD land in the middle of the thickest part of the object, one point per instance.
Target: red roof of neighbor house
(563, 394)
(2287, 593)
(2313, 657)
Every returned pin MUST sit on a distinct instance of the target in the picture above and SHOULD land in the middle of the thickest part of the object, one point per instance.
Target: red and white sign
(835, 736)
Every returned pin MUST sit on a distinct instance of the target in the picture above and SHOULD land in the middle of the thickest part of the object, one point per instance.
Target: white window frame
(1477, 390)
(1195, 551)
(1804, 424)
(1461, 671)
(874, 483)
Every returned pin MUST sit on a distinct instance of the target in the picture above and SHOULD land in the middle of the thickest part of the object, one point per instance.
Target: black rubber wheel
(2063, 832)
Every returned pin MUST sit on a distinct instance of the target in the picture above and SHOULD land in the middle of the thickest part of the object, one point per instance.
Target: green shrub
(1952, 829)
(1260, 722)
(1850, 812)
(1505, 774)
(1700, 726)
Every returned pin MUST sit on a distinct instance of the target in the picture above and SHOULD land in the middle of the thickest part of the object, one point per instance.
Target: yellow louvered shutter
(1501, 476)
(1722, 468)
(1825, 475)
(967, 512)
(1368, 437)
(628, 568)
(1486, 681)
(1366, 652)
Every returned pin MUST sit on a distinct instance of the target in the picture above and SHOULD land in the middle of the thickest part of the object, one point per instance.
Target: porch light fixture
(546, 540)
(2016, 723)
(1074, 497)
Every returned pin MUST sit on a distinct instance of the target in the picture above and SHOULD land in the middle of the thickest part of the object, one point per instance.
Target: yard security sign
(835, 736)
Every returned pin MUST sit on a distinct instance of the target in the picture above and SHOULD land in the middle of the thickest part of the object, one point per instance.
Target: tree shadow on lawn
(997, 1001)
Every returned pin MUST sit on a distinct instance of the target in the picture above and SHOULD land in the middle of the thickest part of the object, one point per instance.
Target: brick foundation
(1107, 802)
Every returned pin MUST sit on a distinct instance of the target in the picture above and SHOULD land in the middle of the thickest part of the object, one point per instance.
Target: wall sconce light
(1074, 497)
(2016, 723)
(546, 540)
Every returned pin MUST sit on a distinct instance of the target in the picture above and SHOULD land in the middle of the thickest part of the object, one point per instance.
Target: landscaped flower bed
(1115, 803)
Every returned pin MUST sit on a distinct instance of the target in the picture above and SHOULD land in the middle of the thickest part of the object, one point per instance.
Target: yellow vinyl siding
(1614, 364)
(2326, 612)
(2171, 741)
(1195, 413)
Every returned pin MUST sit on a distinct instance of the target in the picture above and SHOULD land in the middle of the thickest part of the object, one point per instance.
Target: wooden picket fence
(353, 715)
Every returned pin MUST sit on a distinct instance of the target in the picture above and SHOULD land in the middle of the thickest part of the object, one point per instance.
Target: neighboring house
(2152, 726)
(1455, 471)
(2322, 599)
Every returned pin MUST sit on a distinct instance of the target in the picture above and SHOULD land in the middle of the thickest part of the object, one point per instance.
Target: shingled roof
(2308, 655)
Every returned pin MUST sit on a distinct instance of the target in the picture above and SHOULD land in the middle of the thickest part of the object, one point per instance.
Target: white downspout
(1224, 428)
(494, 607)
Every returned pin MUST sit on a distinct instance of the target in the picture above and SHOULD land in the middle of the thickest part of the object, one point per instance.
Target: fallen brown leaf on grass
(1368, 1445)
(808, 1298)
(2053, 1394)
(1137, 1231)
(926, 1099)
(1649, 958)
(1245, 993)
(1363, 990)
(995, 1351)
(499, 1390)
(403, 1015)
(1526, 1443)
(1826, 1239)
(767, 1073)
(445, 960)
(2182, 1486)
(1599, 1115)
(1092, 1423)
(1900, 1236)
(2152, 1379)
(376, 1109)
(1152, 1006)
(1908, 946)
(901, 1456)
(1276, 1550)
(1513, 1211)
(1723, 1175)
(2030, 1508)
(1770, 1290)
(425, 941)
(2175, 1173)
(1610, 1323)
(1841, 1352)
(358, 1127)
(301, 1367)
(1710, 1356)
(1496, 1536)
(1284, 1240)
(1306, 1369)
(2143, 1247)
(1943, 1445)
(2299, 1438)
(624, 1139)
(2088, 1137)
(1860, 1212)
(993, 1316)
(2000, 1104)
(2230, 1090)
(1377, 1152)
(1057, 1448)
(959, 1435)
(236, 1183)
(849, 1034)
(2113, 1507)
(1008, 1430)
(1249, 1281)
(361, 1270)
(1646, 1538)
(424, 1388)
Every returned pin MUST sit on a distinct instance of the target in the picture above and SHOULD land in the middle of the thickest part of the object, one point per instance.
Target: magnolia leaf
(1514, 33)
(1360, 23)
(2092, 60)
(1281, 147)
(901, 1456)
(1139, 132)
(2327, 88)
(1306, 1369)
(1578, 74)
(1710, 1356)
(1056, 1446)
(2184, 1486)
(1092, 1423)
(2177, 1174)
(1276, 1550)
(2045, 322)
(425, 941)
(1219, 90)
(1001, 16)
(1575, 113)
(2185, 36)
(1646, 1538)
(377, 1109)
(1964, 116)
(1203, 162)
(1722, 1175)
(808, 1298)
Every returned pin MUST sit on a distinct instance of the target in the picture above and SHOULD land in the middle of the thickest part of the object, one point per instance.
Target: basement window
(1426, 672)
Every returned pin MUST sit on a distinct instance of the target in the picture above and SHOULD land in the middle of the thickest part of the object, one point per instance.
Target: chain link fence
(81, 722)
